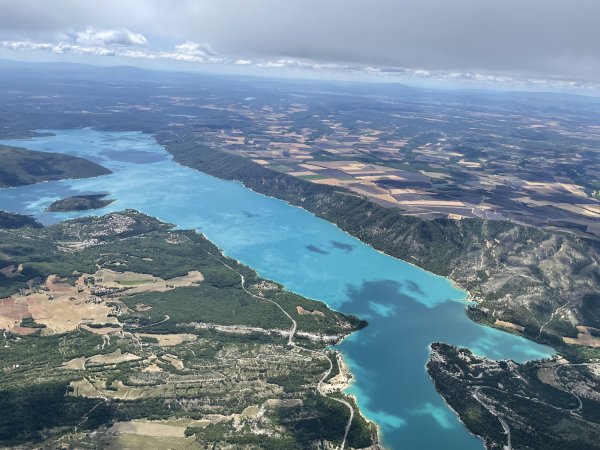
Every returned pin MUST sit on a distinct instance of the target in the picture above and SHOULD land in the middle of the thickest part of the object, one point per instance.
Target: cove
(407, 308)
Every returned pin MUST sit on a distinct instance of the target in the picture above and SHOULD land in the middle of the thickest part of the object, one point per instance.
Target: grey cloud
(538, 38)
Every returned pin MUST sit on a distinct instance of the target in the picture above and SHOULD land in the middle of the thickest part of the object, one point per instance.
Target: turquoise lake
(407, 308)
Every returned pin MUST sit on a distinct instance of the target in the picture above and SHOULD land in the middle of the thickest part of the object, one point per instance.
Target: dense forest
(19, 166)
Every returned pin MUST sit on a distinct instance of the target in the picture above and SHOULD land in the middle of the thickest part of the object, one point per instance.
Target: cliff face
(545, 282)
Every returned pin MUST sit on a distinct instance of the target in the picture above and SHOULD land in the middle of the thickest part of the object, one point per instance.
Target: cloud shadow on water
(315, 249)
(342, 246)
(383, 310)
(388, 358)
(414, 287)
(404, 319)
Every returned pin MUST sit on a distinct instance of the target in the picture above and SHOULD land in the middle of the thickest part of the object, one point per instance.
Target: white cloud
(25, 45)
(108, 37)
(61, 47)
(118, 42)
(243, 62)
(195, 48)
(301, 64)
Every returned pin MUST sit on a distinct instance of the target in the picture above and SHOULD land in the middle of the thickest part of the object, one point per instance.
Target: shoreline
(355, 398)
(450, 407)
(466, 299)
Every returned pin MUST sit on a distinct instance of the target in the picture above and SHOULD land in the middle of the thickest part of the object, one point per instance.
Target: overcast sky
(497, 39)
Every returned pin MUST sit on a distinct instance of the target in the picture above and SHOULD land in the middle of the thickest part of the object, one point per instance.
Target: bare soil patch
(169, 340)
(300, 310)
(12, 271)
(148, 429)
(513, 326)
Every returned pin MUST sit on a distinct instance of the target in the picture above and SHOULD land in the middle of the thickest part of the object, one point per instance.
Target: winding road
(477, 396)
(554, 313)
(292, 344)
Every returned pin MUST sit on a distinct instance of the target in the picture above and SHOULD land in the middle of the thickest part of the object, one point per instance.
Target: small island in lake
(80, 203)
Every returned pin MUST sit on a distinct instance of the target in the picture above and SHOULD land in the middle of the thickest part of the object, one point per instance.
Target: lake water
(407, 308)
